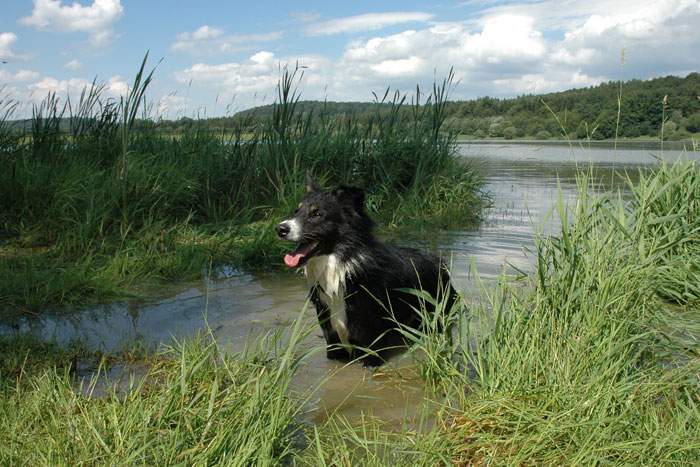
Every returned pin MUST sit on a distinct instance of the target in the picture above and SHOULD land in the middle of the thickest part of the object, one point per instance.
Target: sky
(218, 57)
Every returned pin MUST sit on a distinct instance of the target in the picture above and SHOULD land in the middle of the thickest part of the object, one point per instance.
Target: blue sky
(223, 56)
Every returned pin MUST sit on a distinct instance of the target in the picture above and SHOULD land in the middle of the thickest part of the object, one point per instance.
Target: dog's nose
(282, 229)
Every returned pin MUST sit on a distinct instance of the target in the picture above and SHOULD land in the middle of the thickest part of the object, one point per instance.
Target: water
(525, 182)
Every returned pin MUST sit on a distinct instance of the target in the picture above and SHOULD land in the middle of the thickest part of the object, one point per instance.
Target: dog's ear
(353, 195)
(311, 183)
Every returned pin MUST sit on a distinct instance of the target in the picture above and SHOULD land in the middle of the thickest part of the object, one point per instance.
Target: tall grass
(593, 360)
(589, 362)
(585, 366)
(111, 201)
(195, 406)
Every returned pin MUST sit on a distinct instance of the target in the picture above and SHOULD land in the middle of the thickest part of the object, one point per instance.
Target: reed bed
(95, 200)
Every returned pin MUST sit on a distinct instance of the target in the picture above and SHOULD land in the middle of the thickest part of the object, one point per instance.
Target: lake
(524, 181)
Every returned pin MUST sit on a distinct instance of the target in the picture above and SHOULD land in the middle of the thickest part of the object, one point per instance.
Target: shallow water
(524, 181)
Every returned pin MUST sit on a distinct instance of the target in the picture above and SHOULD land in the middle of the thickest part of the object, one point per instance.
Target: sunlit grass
(111, 201)
(592, 360)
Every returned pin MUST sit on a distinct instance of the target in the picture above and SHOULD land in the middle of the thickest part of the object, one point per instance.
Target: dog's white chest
(329, 273)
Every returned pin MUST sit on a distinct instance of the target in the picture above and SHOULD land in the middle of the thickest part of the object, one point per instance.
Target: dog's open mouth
(300, 255)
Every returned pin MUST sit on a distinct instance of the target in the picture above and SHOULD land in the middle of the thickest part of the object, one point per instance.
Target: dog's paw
(336, 353)
(372, 361)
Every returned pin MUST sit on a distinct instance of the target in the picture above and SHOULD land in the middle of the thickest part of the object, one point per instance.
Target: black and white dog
(358, 284)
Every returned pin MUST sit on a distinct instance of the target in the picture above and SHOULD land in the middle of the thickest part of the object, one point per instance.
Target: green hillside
(581, 113)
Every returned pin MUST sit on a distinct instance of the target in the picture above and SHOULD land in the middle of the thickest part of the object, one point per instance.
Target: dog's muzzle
(282, 230)
(289, 230)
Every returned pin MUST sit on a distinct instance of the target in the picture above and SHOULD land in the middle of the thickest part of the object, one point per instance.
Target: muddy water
(524, 181)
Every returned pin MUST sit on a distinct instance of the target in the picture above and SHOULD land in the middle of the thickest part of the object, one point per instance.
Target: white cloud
(401, 67)
(114, 87)
(40, 89)
(548, 82)
(203, 33)
(506, 45)
(258, 74)
(7, 39)
(96, 19)
(366, 22)
(73, 65)
(172, 106)
(18, 77)
(211, 40)
(506, 37)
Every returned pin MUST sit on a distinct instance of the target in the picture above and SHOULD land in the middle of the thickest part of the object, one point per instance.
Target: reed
(108, 201)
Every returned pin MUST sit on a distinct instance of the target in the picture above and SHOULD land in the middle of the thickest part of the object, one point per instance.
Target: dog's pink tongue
(292, 260)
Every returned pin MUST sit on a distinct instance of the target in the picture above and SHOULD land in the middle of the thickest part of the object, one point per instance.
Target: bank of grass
(592, 363)
(594, 360)
(87, 214)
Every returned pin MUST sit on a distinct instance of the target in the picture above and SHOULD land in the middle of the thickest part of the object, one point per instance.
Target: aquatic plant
(96, 199)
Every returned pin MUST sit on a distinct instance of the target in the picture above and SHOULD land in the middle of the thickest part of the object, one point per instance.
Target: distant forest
(577, 114)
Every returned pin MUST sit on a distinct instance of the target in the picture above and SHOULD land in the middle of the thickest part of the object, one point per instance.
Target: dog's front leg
(334, 347)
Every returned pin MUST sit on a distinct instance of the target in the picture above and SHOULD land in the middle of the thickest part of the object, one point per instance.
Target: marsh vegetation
(111, 204)
(592, 360)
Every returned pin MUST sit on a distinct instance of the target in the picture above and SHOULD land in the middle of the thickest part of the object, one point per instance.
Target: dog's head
(323, 222)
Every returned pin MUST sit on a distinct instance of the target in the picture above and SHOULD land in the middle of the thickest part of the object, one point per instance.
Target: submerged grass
(86, 214)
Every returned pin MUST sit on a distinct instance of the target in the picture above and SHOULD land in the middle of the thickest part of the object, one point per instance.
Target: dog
(363, 289)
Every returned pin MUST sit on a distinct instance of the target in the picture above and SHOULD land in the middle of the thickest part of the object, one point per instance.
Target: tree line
(667, 106)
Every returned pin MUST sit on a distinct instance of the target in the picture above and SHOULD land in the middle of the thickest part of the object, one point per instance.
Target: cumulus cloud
(656, 34)
(46, 85)
(172, 106)
(96, 19)
(211, 40)
(366, 22)
(18, 77)
(503, 49)
(71, 88)
(257, 74)
(7, 40)
(547, 82)
(116, 86)
(505, 45)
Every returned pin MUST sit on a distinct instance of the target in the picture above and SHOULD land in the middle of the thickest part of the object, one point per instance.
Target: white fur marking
(294, 234)
(329, 273)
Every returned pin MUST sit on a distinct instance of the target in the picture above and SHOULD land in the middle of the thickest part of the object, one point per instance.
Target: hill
(580, 113)
(576, 113)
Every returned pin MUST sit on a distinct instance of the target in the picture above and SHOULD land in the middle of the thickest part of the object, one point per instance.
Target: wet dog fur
(357, 283)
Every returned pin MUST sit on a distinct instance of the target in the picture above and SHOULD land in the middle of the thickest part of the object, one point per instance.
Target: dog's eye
(315, 213)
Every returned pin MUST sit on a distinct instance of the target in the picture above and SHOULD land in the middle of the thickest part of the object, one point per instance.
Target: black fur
(335, 222)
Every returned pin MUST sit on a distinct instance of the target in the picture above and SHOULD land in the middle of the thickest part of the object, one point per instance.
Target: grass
(593, 360)
(583, 365)
(195, 406)
(96, 211)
